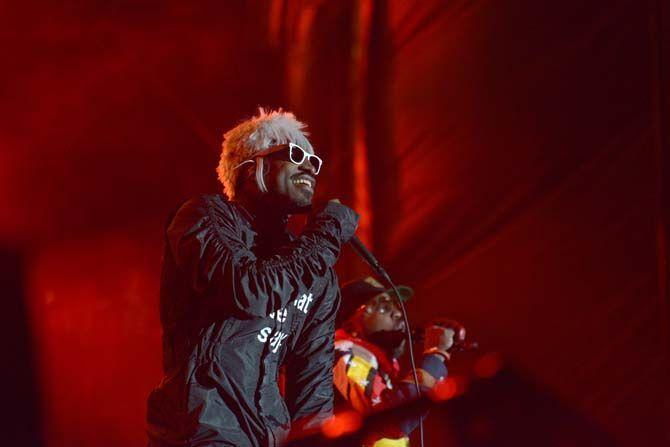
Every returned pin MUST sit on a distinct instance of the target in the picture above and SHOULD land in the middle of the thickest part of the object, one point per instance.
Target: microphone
(460, 344)
(418, 334)
(360, 248)
(368, 257)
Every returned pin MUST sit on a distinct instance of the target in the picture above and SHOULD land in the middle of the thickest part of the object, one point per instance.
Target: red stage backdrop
(506, 158)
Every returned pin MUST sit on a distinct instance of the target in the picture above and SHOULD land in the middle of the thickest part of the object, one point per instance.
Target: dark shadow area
(512, 410)
(21, 415)
(507, 410)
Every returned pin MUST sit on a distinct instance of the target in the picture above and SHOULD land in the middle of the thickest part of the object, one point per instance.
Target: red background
(507, 158)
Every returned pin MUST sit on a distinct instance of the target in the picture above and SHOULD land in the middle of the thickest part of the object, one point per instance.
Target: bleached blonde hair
(268, 128)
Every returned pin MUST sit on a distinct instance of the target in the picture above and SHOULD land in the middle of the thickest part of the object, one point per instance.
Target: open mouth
(305, 182)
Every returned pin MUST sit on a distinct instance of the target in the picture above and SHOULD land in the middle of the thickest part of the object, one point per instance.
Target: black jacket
(237, 301)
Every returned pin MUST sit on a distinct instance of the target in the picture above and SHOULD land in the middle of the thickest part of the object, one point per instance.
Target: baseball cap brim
(357, 293)
(405, 292)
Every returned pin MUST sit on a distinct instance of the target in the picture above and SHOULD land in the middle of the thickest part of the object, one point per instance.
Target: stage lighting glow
(488, 365)
(342, 423)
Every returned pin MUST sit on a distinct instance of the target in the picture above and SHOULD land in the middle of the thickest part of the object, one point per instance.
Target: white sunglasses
(296, 155)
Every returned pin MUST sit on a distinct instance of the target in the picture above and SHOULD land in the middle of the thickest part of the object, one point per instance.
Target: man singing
(241, 296)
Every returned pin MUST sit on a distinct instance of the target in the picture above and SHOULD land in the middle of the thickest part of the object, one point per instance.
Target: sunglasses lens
(316, 162)
(297, 154)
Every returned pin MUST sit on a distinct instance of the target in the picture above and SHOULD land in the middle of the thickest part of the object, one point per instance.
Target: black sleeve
(309, 371)
(206, 243)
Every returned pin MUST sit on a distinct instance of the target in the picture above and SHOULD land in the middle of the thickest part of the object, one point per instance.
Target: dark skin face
(381, 322)
(290, 187)
(382, 313)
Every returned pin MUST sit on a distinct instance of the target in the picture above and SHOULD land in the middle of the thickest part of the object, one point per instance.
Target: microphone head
(467, 346)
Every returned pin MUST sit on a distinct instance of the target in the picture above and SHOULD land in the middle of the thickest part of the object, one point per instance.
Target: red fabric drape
(514, 157)
(511, 164)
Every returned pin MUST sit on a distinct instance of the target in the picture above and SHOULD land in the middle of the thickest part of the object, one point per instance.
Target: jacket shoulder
(206, 205)
(205, 202)
(203, 212)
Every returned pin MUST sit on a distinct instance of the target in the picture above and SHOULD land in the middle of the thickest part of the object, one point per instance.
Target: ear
(247, 171)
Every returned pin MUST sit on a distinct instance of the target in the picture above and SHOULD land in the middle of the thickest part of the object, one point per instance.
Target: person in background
(368, 343)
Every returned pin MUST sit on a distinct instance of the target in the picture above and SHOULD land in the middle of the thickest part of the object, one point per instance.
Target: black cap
(358, 292)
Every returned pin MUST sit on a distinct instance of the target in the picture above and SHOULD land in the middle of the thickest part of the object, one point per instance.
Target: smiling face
(291, 185)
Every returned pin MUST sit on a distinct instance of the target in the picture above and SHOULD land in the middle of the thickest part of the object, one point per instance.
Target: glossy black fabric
(239, 298)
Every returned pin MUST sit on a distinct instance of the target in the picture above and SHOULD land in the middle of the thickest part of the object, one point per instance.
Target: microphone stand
(369, 258)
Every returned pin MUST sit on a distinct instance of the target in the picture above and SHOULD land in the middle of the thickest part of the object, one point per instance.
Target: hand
(438, 337)
(347, 218)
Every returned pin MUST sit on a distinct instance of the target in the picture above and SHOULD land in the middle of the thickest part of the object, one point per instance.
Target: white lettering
(303, 302)
(276, 341)
(280, 315)
(309, 300)
(263, 334)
